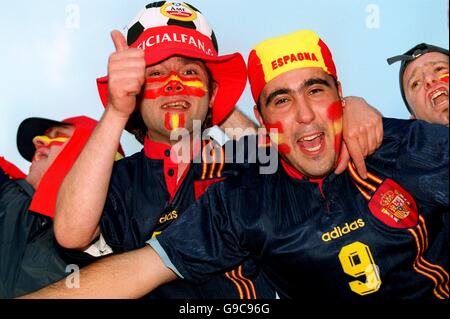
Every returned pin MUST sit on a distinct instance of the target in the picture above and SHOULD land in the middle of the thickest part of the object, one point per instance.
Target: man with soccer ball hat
(164, 29)
(165, 75)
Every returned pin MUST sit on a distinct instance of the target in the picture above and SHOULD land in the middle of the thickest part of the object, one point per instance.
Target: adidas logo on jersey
(169, 216)
(338, 231)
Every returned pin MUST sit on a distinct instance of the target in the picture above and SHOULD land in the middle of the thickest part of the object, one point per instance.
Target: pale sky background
(53, 50)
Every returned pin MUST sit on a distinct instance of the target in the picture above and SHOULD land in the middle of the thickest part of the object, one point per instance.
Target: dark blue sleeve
(3, 177)
(208, 238)
(113, 222)
(133, 206)
(415, 154)
(116, 219)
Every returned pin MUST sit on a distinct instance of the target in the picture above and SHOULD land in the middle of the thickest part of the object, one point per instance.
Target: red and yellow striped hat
(275, 56)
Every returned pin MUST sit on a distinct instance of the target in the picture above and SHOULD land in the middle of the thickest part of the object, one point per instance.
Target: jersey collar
(295, 174)
(155, 150)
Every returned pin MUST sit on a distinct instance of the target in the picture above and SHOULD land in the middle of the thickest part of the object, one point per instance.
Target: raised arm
(83, 193)
(238, 125)
(129, 275)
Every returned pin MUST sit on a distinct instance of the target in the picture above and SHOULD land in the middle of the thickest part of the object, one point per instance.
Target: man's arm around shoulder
(129, 275)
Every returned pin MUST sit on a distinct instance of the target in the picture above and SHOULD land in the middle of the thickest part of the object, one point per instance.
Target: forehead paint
(276, 133)
(172, 121)
(444, 78)
(334, 113)
(190, 86)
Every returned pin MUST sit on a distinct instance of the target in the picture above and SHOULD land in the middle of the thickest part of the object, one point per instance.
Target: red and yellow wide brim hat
(165, 29)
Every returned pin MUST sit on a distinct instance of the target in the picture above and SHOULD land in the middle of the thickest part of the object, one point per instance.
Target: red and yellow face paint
(444, 78)
(173, 121)
(173, 85)
(45, 141)
(276, 133)
(335, 114)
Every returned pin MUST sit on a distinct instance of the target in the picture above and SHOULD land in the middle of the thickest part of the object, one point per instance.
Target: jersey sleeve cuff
(154, 243)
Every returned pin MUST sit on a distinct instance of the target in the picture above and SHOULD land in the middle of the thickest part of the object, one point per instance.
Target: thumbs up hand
(126, 75)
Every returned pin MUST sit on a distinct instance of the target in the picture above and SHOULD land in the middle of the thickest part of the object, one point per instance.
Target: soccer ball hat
(276, 56)
(164, 29)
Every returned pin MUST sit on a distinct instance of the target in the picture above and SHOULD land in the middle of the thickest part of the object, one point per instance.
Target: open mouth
(439, 98)
(177, 105)
(312, 144)
(40, 155)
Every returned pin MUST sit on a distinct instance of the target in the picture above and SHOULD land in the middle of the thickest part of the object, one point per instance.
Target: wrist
(116, 116)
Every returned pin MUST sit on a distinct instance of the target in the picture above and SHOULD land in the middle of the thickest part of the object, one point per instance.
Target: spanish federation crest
(394, 206)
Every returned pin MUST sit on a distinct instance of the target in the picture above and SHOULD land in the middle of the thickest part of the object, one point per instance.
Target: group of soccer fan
(356, 207)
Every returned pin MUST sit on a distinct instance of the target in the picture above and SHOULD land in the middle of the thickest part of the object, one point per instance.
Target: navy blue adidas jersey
(144, 199)
(384, 238)
(30, 259)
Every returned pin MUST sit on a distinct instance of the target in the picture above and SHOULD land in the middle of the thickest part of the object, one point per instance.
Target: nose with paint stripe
(174, 86)
(45, 141)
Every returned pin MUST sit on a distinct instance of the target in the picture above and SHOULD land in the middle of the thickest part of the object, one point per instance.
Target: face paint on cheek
(335, 113)
(444, 78)
(276, 133)
(173, 85)
(55, 144)
(173, 121)
(47, 142)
